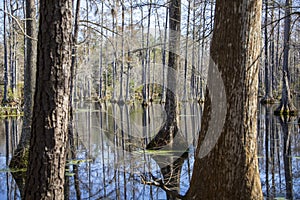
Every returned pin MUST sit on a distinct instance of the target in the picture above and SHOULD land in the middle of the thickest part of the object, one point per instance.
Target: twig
(19, 25)
(159, 183)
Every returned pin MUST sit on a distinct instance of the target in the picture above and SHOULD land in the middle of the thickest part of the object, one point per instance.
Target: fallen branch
(159, 183)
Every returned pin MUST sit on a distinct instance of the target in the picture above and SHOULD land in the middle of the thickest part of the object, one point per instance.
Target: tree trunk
(185, 98)
(170, 128)
(47, 156)
(230, 169)
(286, 106)
(268, 98)
(20, 156)
(163, 56)
(5, 92)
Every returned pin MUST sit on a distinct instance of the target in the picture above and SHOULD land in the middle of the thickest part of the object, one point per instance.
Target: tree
(230, 169)
(268, 98)
(47, 156)
(20, 155)
(5, 98)
(286, 106)
(170, 128)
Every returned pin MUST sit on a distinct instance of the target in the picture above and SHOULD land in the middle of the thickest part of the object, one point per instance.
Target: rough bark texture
(45, 174)
(230, 169)
(286, 106)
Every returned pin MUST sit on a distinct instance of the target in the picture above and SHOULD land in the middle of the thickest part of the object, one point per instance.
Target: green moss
(20, 159)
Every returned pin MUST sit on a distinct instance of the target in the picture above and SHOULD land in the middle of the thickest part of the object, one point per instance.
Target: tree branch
(19, 25)
(159, 183)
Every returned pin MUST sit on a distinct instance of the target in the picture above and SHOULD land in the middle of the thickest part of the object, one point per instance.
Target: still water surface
(110, 161)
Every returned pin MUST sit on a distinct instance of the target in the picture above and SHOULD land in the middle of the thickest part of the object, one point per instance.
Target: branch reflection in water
(108, 159)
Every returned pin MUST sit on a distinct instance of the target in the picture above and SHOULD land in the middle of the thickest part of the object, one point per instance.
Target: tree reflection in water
(107, 157)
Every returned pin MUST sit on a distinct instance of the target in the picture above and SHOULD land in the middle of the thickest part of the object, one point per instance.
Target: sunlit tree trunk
(47, 156)
(286, 106)
(230, 169)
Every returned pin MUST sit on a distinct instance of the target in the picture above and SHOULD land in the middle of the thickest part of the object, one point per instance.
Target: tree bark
(47, 156)
(230, 169)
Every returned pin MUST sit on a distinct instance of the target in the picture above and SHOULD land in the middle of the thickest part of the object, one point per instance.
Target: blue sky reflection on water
(104, 170)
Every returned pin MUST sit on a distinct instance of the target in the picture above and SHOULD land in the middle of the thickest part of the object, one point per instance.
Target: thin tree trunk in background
(49, 133)
(129, 58)
(286, 106)
(121, 98)
(101, 54)
(268, 98)
(230, 169)
(114, 13)
(20, 157)
(5, 95)
(201, 77)
(272, 51)
(193, 77)
(163, 95)
(186, 53)
(277, 58)
(71, 144)
(170, 128)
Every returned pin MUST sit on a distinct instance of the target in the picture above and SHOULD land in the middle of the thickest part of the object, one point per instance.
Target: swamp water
(110, 161)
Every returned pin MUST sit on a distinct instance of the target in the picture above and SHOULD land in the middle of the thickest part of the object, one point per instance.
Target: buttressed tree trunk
(230, 169)
(47, 156)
